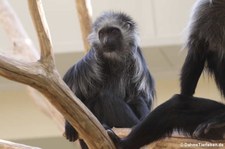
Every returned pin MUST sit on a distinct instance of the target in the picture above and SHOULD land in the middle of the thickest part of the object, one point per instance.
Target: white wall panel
(141, 11)
(171, 17)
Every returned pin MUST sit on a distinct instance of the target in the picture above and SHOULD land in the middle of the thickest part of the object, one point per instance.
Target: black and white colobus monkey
(197, 117)
(112, 79)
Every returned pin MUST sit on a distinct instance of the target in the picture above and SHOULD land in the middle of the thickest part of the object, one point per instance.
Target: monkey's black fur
(206, 49)
(112, 79)
(197, 117)
(181, 113)
(206, 45)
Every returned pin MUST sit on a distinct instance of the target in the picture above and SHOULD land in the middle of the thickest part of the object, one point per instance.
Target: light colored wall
(206, 88)
(161, 22)
(21, 118)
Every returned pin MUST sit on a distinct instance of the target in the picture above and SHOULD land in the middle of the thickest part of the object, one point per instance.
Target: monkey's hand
(70, 132)
(116, 140)
(213, 129)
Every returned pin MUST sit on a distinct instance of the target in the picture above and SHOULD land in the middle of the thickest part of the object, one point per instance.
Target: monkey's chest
(114, 85)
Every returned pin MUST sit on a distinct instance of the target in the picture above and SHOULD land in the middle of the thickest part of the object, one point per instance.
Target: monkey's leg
(140, 108)
(209, 128)
(155, 126)
(191, 71)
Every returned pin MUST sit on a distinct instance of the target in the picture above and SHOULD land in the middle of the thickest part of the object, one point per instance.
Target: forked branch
(43, 76)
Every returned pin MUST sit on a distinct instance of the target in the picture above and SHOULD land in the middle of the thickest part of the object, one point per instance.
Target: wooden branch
(84, 13)
(39, 20)
(47, 108)
(62, 98)
(12, 145)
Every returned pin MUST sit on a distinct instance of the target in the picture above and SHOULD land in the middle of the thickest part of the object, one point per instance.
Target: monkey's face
(114, 33)
(110, 39)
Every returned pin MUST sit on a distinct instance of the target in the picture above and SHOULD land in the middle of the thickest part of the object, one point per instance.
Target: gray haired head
(114, 32)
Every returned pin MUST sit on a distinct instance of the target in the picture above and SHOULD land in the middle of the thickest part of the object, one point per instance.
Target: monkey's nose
(109, 31)
(105, 40)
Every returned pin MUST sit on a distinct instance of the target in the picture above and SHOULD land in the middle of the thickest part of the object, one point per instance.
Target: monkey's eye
(100, 34)
(128, 25)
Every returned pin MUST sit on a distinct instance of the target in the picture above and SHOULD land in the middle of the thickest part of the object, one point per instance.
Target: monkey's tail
(193, 65)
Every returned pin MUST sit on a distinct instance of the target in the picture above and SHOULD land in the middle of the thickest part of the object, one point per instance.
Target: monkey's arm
(114, 114)
(70, 133)
(181, 113)
(142, 101)
(78, 81)
(142, 92)
(140, 107)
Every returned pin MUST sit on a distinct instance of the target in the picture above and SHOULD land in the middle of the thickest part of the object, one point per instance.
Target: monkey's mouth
(110, 48)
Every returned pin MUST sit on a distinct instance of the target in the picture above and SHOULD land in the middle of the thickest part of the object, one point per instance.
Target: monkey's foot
(116, 140)
(213, 130)
(202, 129)
(70, 133)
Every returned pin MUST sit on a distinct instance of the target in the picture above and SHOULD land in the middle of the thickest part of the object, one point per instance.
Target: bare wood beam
(84, 13)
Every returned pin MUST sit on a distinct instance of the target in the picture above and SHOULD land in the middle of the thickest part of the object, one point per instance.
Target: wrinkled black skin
(110, 85)
(206, 49)
(183, 113)
(198, 117)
